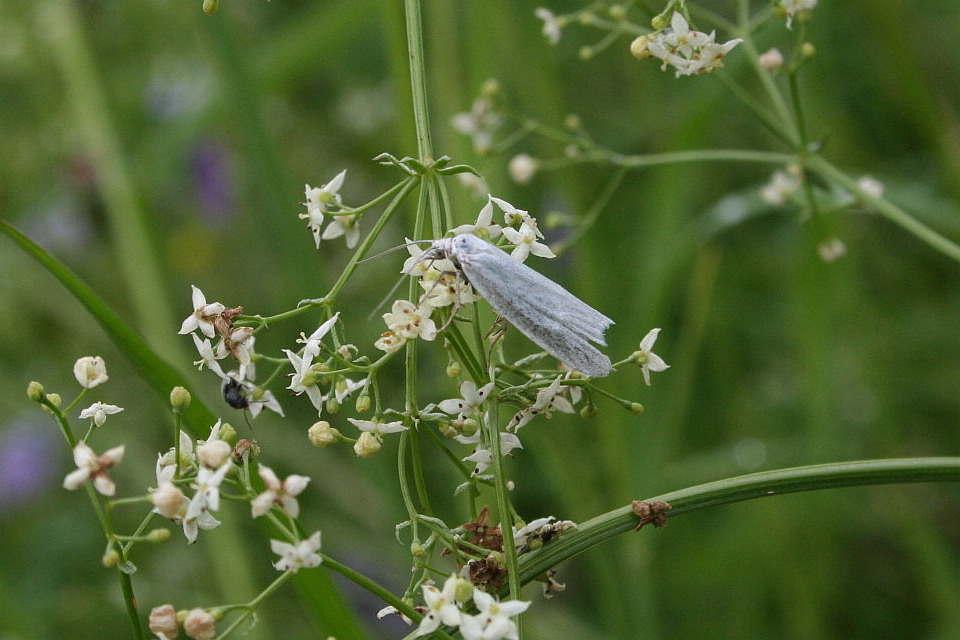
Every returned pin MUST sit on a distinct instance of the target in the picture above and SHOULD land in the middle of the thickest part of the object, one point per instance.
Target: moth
(553, 318)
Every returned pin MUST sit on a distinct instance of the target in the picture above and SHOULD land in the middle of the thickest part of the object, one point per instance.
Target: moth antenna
(390, 293)
(392, 249)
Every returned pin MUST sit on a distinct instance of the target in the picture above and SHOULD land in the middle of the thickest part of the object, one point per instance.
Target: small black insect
(233, 394)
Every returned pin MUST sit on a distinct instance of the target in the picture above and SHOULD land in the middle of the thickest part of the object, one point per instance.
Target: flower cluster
(446, 606)
(326, 200)
(213, 319)
(688, 51)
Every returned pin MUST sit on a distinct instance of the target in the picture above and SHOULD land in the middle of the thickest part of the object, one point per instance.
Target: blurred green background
(151, 147)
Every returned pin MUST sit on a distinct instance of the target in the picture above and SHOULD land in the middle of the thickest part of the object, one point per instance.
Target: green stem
(418, 80)
(885, 208)
(748, 487)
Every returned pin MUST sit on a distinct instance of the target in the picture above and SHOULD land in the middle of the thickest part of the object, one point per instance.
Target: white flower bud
(322, 434)
(163, 619)
(168, 499)
(200, 625)
(522, 168)
(90, 371)
(367, 445)
(771, 59)
(214, 453)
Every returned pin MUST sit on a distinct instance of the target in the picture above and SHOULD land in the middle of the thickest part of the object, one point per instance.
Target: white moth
(556, 320)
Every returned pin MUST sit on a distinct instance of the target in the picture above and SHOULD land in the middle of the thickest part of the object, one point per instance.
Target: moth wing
(552, 317)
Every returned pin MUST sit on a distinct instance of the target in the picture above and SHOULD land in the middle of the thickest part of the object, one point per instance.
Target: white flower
(548, 399)
(282, 494)
(410, 321)
(792, 7)
(526, 242)
(647, 359)
(238, 344)
(167, 463)
(542, 528)
(771, 59)
(522, 168)
(377, 427)
(99, 412)
(470, 401)
(191, 526)
(441, 607)
(448, 289)
(416, 265)
(203, 315)
(389, 342)
(296, 557)
(480, 124)
(207, 496)
(345, 225)
(207, 356)
(780, 187)
(832, 249)
(552, 25)
(163, 619)
(90, 466)
(345, 387)
(514, 217)
(320, 200)
(265, 401)
(483, 457)
(311, 345)
(492, 621)
(690, 52)
(90, 371)
(484, 227)
(303, 375)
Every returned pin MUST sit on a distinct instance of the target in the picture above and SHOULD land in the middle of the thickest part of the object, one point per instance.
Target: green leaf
(159, 373)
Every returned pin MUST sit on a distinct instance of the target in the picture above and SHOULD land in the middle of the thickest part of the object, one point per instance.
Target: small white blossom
(493, 620)
(167, 464)
(832, 249)
(541, 528)
(378, 427)
(99, 412)
(470, 401)
(389, 342)
(207, 357)
(410, 321)
(295, 557)
(441, 607)
(346, 225)
(90, 371)
(484, 227)
(771, 59)
(207, 496)
(526, 243)
(647, 359)
(202, 316)
(416, 265)
(483, 457)
(514, 217)
(282, 494)
(871, 186)
(792, 7)
(238, 344)
(321, 200)
(203, 520)
(552, 25)
(90, 466)
(302, 375)
(346, 387)
(311, 345)
(548, 399)
(689, 52)
(480, 124)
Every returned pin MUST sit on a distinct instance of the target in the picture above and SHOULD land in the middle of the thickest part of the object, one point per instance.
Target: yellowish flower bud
(157, 536)
(453, 369)
(321, 434)
(210, 7)
(363, 403)
(366, 445)
(35, 391)
(636, 407)
(179, 399)
(111, 558)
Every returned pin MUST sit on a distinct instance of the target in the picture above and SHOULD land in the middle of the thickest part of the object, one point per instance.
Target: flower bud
(490, 88)
(90, 371)
(163, 619)
(157, 536)
(586, 52)
(617, 12)
(771, 59)
(321, 434)
(168, 499)
(469, 427)
(463, 590)
(588, 410)
(199, 624)
(638, 48)
(572, 122)
(35, 391)
(333, 405)
(244, 448)
(808, 50)
(636, 407)
(227, 432)
(366, 445)
(111, 558)
(363, 403)
(214, 453)
(658, 22)
(179, 399)
(54, 399)
(417, 550)
(210, 7)
(522, 168)
(453, 369)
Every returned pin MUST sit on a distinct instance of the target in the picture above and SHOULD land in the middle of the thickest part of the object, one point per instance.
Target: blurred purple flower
(27, 463)
(208, 166)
